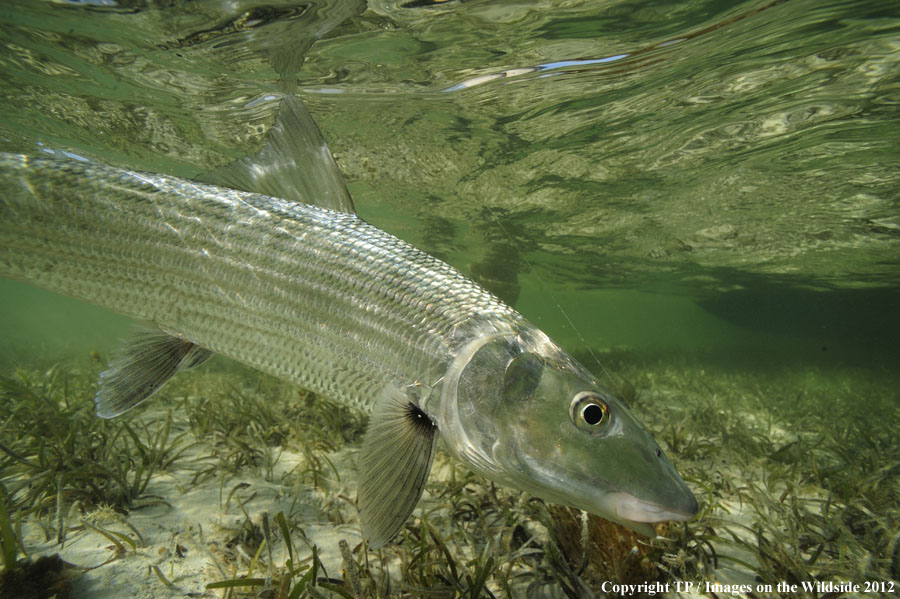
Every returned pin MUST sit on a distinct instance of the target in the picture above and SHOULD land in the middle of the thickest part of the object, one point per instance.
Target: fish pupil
(592, 413)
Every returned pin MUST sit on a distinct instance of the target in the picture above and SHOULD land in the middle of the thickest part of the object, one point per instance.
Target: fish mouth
(629, 507)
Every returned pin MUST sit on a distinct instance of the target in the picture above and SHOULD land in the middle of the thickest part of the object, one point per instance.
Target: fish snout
(630, 507)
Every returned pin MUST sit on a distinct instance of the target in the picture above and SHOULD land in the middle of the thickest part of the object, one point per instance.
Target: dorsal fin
(295, 164)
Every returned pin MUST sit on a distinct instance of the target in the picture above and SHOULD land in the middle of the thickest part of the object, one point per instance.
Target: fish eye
(589, 411)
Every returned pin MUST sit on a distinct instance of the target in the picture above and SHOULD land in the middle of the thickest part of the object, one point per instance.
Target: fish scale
(314, 296)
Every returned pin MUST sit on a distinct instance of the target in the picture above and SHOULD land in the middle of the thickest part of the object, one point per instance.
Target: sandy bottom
(190, 533)
(189, 536)
(183, 535)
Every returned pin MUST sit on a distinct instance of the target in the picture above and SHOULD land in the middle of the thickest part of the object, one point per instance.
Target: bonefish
(270, 266)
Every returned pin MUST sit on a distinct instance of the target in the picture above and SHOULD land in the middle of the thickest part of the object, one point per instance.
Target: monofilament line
(546, 289)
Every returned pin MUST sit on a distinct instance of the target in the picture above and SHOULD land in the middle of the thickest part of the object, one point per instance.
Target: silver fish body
(316, 297)
(336, 305)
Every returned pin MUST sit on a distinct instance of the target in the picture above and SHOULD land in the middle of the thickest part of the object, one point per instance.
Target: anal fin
(140, 369)
(396, 457)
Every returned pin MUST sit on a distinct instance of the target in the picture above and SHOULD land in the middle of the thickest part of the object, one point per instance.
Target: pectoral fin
(396, 457)
(141, 368)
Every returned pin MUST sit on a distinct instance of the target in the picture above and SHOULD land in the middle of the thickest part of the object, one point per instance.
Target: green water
(699, 175)
(702, 182)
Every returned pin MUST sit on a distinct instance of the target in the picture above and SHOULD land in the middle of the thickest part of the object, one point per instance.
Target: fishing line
(546, 289)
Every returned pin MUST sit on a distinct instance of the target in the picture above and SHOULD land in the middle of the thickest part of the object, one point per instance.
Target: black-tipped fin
(295, 164)
(140, 369)
(394, 463)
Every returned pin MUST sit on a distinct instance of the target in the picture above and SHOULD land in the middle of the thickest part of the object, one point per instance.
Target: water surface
(737, 157)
